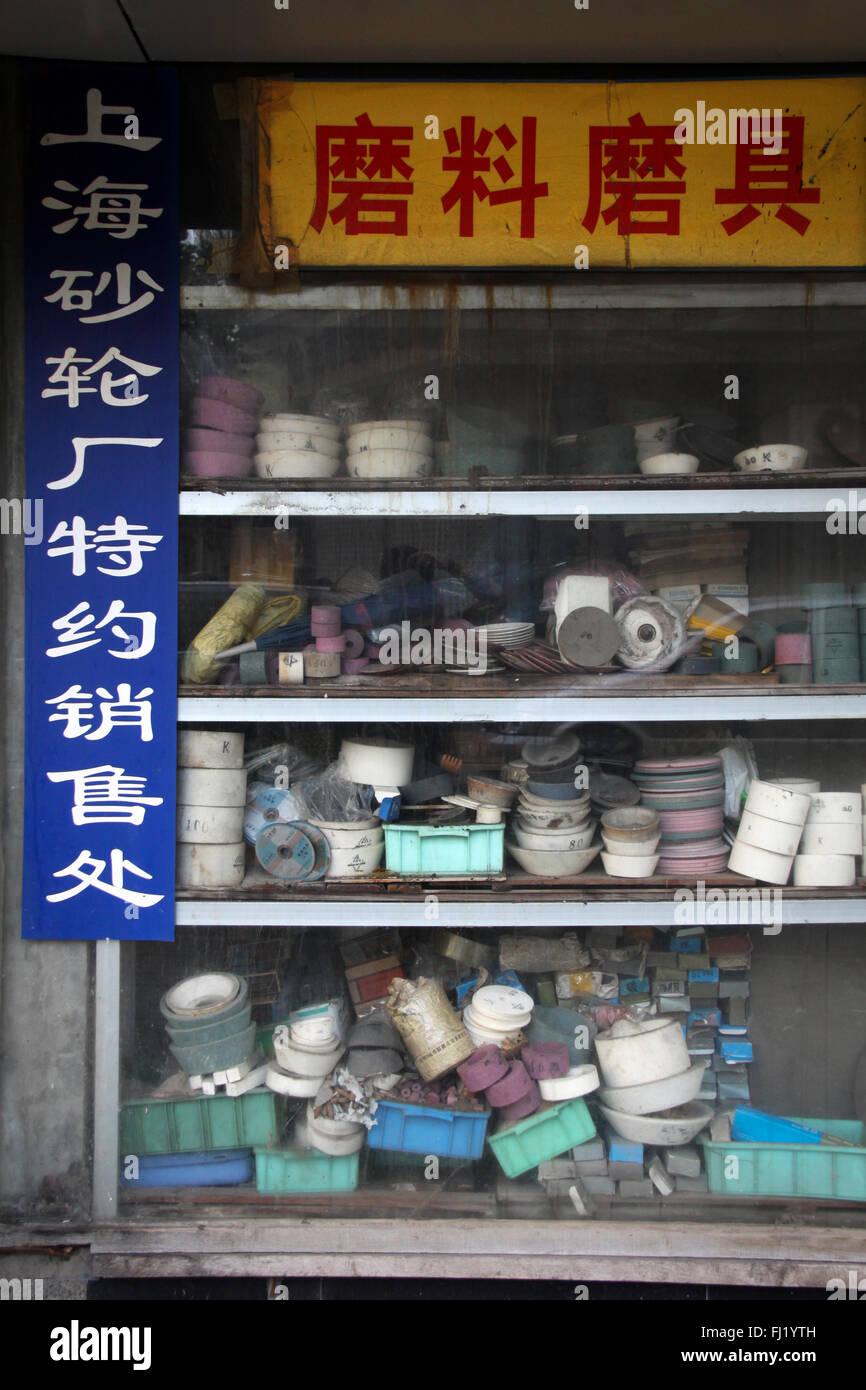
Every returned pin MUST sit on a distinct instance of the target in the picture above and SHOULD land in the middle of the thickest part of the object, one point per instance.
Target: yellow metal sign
(597, 175)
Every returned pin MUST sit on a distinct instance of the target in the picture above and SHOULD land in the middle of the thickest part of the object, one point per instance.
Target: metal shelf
(492, 911)
(566, 292)
(542, 709)
(437, 501)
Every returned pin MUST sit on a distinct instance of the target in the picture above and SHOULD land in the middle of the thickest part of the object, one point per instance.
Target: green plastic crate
(791, 1170)
(305, 1170)
(444, 849)
(202, 1122)
(544, 1135)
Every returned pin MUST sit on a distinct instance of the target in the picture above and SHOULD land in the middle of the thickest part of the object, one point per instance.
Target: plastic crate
(546, 1134)
(791, 1170)
(421, 1129)
(219, 1168)
(305, 1170)
(202, 1122)
(444, 849)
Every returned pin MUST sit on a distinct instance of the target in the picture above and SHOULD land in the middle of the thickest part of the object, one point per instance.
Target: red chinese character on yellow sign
(765, 175)
(631, 164)
(367, 166)
(468, 157)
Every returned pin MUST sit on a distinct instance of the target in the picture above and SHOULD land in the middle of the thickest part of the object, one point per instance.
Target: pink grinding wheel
(219, 441)
(331, 644)
(353, 665)
(527, 1105)
(515, 1084)
(545, 1060)
(485, 1067)
(231, 392)
(216, 415)
(205, 463)
(354, 643)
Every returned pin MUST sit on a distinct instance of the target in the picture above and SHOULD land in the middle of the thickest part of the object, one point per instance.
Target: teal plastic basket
(740, 1169)
(548, 1133)
(202, 1122)
(444, 849)
(305, 1170)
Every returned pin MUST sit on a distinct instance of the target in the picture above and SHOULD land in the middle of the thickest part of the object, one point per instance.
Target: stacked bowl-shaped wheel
(631, 835)
(649, 1084)
(305, 1053)
(208, 1021)
(496, 1014)
(298, 446)
(389, 449)
(225, 416)
(689, 796)
(327, 1134)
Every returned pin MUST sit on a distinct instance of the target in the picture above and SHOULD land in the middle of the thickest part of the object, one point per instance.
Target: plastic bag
(281, 764)
(740, 766)
(330, 797)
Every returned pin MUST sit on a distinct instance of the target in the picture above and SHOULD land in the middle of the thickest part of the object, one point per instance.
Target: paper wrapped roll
(228, 627)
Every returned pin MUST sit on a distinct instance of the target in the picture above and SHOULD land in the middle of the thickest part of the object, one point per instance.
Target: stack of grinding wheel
(330, 1136)
(375, 1050)
(518, 1088)
(769, 833)
(208, 1021)
(211, 797)
(831, 842)
(833, 627)
(689, 796)
(225, 416)
(305, 1053)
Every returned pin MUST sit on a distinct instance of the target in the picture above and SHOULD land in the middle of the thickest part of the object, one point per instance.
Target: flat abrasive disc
(587, 637)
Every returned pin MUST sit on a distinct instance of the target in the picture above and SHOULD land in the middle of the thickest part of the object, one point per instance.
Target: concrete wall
(44, 986)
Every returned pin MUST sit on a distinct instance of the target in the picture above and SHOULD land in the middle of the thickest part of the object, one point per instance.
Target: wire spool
(587, 637)
(651, 633)
(285, 851)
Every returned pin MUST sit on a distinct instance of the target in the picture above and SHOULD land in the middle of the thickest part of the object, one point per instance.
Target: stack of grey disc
(833, 624)
(211, 802)
(375, 1048)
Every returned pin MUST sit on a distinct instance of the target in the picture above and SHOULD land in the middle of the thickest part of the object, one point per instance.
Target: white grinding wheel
(578, 1081)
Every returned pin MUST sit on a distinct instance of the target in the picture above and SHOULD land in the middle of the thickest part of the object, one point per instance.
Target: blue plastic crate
(207, 1168)
(420, 1129)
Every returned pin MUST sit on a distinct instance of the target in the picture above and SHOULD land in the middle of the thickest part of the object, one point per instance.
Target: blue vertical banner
(102, 475)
